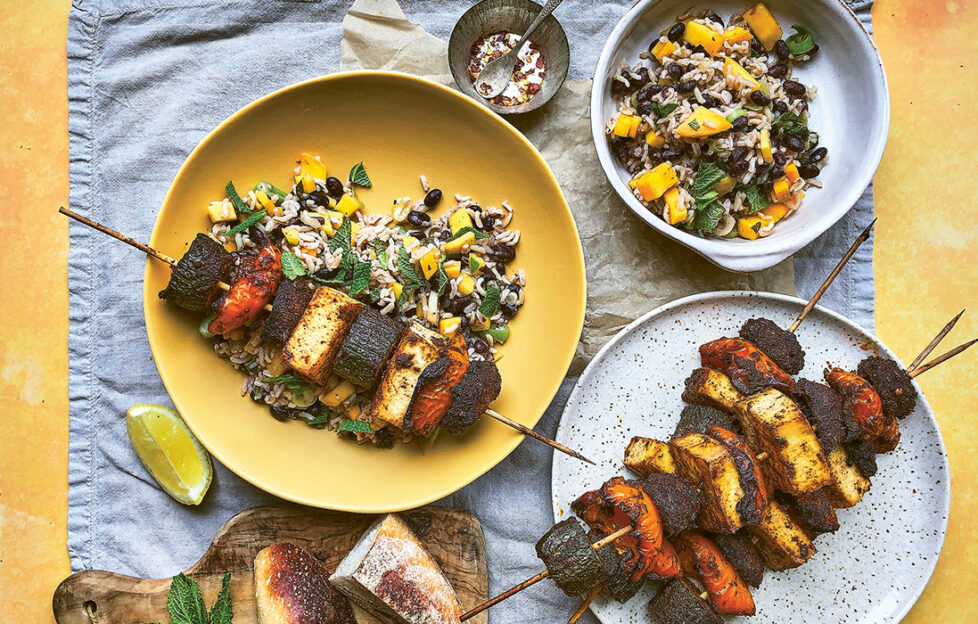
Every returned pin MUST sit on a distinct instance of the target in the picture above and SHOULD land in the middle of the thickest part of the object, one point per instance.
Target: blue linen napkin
(147, 80)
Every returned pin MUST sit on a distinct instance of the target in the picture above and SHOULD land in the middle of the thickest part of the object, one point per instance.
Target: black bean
(280, 413)
(458, 304)
(738, 167)
(813, 51)
(781, 49)
(739, 153)
(756, 47)
(739, 124)
(709, 101)
(646, 93)
(808, 171)
(488, 222)
(502, 253)
(685, 86)
(516, 288)
(766, 184)
(818, 155)
(794, 143)
(778, 71)
(671, 154)
(479, 345)
(780, 107)
(762, 169)
(618, 87)
(759, 98)
(700, 49)
(640, 78)
(418, 219)
(776, 172)
(676, 32)
(675, 70)
(334, 187)
(432, 198)
(780, 159)
(509, 311)
(645, 108)
(795, 90)
(319, 198)
(444, 235)
(716, 18)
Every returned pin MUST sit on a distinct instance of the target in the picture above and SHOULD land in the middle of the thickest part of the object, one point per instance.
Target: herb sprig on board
(185, 602)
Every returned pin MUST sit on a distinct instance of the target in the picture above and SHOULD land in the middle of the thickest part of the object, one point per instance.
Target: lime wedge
(169, 452)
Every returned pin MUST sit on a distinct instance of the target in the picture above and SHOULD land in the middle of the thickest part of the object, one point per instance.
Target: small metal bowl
(493, 16)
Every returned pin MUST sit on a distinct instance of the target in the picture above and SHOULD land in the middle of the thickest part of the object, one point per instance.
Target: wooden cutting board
(453, 537)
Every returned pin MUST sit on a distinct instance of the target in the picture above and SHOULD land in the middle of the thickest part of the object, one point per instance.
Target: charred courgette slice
(194, 279)
(616, 581)
(367, 347)
(566, 551)
(291, 300)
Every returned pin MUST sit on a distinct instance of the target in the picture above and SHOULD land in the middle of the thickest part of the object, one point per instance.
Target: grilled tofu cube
(702, 460)
(316, 341)
(709, 387)
(645, 456)
(848, 484)
(774, 424)
(783, 544)
(418, 348)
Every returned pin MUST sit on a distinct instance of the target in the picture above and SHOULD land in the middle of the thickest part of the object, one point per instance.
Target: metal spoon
(494, 77)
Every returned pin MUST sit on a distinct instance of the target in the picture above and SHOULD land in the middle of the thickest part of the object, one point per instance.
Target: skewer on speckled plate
(479, 393)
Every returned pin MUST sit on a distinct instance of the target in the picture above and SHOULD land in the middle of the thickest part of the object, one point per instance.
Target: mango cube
(460, 244)
(701, 34)
(775, 212)
(654, 140)
(676, 214)
(725, 185)
(475, 264)
(663, 49)
(308, 184)
(453, 268)
(627, 125)
(791, 172)
(750, 227)
(737, 34)
(265, 201)
(782, 189)
(429, 263)
(765, 141)
(398, 288)
(733, 69)
(449, 326)
(764, 25)
(459, 220)
(653, 184)
(481, 323)
(291, 235)
(348, 205)
(312, 165)
(702, 122)
(221, 211)
(466, 285)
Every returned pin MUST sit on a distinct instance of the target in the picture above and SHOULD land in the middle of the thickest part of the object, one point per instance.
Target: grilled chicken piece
(433, 397)
(751, 507)
(773, 424)
(472, 396)
(743, 555)
(747, 367)
(679, 602)
(848, 484)
(812, 512)
(678, 502)
(645, 456)
(314, 344)
(291, 300)
(698, 417)
(409, 369)
(711, 388)
(782, 543)
(778, 344)
(861, 404)
(702, 560)
(254, 280)
(292, 587)
(704, 461)
(894, 386)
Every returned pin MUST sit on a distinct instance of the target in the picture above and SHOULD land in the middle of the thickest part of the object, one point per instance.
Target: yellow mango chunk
(453, 268)
(466, 285)
(725, 185)
(449, 326)
(750, 227)
(221, 211)
(460, 244)
(312, 165)
(291, 235)
(230, 247)
(265, 201)
(736, 34)
(700, 34)
(624, 125)
(791, 172)
(676, 214)
(327, 225)
(765, 142)
(429, 263)
(460, 219)
(764, 25)
(653, 184)
(348, 205)
(782, 189)
(398, 289)
(481, 323)
(308, 184)
(702, 122)
(636, 122)
(654, 140)
(733, 69)
(663, 49)
(409, 242)
(775, 212)
(354, 229)
(475, 264)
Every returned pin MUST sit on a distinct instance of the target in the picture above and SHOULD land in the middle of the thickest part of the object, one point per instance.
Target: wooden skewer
(862, 238)
(917, 361)
(536, 578)
(146, 249)
(941, 358)
(581, 610)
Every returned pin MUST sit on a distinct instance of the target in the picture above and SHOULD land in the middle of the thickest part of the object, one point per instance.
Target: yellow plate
(400, 127)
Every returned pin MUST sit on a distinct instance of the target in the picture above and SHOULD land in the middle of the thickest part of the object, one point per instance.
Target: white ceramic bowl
(851, 114)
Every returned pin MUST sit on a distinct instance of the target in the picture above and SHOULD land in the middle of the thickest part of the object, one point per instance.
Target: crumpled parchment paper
(631, 268)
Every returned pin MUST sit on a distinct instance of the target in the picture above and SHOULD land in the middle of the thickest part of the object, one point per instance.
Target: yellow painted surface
(925, 271)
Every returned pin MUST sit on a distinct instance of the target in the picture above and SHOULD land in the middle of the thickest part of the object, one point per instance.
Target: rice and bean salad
(448, 273)
(712, 127)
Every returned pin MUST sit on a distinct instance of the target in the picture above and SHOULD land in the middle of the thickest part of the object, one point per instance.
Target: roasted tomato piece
(861, 403)
(432, 400)
(889, 437)
(702, 560)
(632, 500)
(254, 280)
(666, 564)
(604, 519)
(747, 367)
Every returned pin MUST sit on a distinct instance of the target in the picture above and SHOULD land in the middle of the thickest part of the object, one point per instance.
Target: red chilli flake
(529, 73)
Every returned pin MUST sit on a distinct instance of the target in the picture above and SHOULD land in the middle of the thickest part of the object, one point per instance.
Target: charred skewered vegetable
(616, 581)
(698, 417)
(862, 407)
(194, 280)
(894, 386)
(704, 461)
(782, 543)
(751, 506)
(780, 345)
(678, 502)
(433, 397)
(291, 300)
(748, 368)
(367, 347)
(711, 388)
(813, 512)
(703, 561)
(472, 396)
(567, 553)
(680, 601)
(743, 555)
(254, 280)
(635, 504)
(849, 484)
(822, 407)
(645, 456)
(862, 455)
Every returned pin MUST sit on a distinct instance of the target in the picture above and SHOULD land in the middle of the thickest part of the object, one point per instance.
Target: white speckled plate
(872, 569)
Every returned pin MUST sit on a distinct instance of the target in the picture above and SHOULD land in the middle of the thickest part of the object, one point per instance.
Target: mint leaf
(707, 217)
(380, 248)
(358, 175)
(289, 380)
(292, 267)
(792, 124)
(478, 235)
(662, 110)
(490, 304)
(252, 219)
(354, 426)
(756, 198)
(270, 189)
(221, 612)
(343, 238)
(232, 194)
(360, 279)
(442, 279)
(707, 176)
(185, 603)
(406, 268)
(320, 420)
(801, 42)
